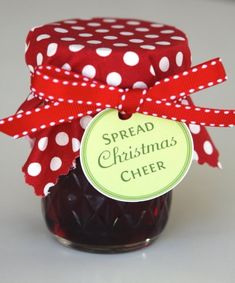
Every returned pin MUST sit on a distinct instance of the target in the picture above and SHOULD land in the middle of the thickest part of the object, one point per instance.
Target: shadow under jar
(81, 217)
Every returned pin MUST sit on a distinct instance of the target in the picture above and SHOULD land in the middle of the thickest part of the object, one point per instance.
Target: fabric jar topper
(67, 58)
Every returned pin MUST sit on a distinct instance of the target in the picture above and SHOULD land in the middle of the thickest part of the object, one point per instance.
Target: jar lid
(119, 52)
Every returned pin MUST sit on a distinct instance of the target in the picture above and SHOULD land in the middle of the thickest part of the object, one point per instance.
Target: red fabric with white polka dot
(120, 52)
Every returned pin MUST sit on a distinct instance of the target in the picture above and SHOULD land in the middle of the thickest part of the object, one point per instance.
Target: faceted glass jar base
(81, 217)
(106, 248)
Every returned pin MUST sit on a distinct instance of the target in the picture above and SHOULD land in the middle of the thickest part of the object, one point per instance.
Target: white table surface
(198, 242)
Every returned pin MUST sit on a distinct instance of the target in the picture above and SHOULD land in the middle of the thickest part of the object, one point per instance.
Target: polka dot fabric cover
(120, 52)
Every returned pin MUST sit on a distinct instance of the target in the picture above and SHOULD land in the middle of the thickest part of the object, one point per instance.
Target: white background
(198, 243)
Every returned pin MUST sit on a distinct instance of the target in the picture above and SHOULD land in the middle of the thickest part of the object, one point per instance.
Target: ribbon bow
(60, 96)
(67, 96)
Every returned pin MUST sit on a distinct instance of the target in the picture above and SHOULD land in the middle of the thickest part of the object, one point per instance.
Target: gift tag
(136, 159)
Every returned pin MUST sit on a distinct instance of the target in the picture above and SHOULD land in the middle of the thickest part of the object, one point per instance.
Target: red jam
(79, 216)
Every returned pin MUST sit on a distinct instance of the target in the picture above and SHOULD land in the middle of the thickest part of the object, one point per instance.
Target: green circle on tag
(136, 159)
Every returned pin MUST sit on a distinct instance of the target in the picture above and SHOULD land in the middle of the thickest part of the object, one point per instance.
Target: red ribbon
(66, 96)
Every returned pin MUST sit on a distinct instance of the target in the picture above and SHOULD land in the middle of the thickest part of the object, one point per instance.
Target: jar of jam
(128, 54)
(125, 53)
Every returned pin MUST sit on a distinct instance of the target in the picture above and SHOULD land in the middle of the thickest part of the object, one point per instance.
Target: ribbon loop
(55, 84)
(195, 79)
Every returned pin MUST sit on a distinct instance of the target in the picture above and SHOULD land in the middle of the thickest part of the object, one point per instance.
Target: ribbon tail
(196, 115)
(8, 125)
(193, 80)
(40, 118)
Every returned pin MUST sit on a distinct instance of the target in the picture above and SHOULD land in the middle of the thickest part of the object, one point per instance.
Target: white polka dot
(195, 129)
(139, 85)
(179, 59)
(195, 156)
(151, 35)
(42, 36)
(84, 121)
(164, 64)
(55, 163)
(62, 139)
(133, 23)
(34, 169)
(39, 59)
(117, 26)
(178, 38)
(75, 144)
(77, 28)
(94, 41)
(61, 30)
(131, 58)
(85, 34)
(42, 143)
(51, 49)
(66, 67)
(76, 47)
(103, 52)
(110, 37)
(152, 71)
(142, 29)
(167, 31)
(163, 43)
(119, 44)
(136, 40)
(114, 79)
(67, 38)
(47, 187)
(89, 71)
(207, 146)
(100, 30)
(148, 47)
(126, 33)
(94, 24)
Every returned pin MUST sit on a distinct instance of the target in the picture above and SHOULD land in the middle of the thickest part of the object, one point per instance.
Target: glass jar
(81, 217)
(118, 52)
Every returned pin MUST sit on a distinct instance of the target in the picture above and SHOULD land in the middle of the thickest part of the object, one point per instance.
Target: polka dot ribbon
(60, 97)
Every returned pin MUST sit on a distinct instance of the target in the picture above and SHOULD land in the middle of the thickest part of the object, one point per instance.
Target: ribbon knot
(131, 101)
